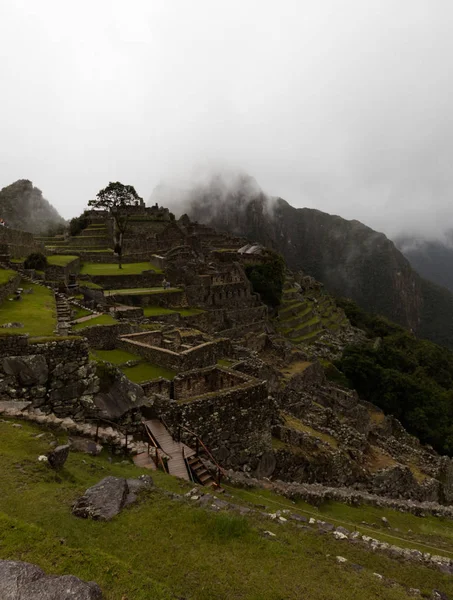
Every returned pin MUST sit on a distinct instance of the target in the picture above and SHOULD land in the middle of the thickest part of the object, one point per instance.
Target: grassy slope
(101, 320)
(113, 268)
(60, 260)
(36, 311)
(6, 275)
(160, 547)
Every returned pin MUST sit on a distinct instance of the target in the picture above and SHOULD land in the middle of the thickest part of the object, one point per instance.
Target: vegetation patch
(36, 311)
(101, 320)
(297, 424)
(202, 555)
(6, 275)
(267, 279)
(142, 291)
(146, 372)
(113, 268)
(60, 260)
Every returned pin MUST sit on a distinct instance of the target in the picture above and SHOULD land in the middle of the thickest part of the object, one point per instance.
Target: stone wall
(104, 337)
(165, 299)
(61, 273)
(20, 243)
(55, 376)
(217, 380)
(234, 424)
(9, 288)
(148, 345)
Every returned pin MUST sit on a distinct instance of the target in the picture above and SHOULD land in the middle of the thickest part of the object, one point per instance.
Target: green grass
(190, 312)
(146, 371)
(81, 312)
(36, 311)
(101, 320)
(90, 285)
(163, 549)
(113, 268)
(141, 291)
(6, 275)
(61, 260)
(226, 362)
(116, 357)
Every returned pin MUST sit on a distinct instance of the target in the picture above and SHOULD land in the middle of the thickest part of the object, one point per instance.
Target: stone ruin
(259, 401)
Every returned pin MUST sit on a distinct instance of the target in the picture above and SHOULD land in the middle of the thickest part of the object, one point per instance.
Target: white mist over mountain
(340, 106)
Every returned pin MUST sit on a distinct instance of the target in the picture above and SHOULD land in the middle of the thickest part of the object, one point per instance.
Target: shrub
(36, 261)
(78, 224)
(267, 279)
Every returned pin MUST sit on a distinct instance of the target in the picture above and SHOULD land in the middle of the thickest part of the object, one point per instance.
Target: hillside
(431, 258)
(350, 259)
(23, 206)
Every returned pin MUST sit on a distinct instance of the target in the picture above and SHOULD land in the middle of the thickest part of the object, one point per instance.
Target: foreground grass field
(36, 311)
(165, 549)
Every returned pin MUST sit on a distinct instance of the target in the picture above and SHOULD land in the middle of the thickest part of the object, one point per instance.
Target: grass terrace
(113, 268)
(60, 260)
(146, 371)
(36, 311)
(157, 311)
(101, 320)
(141, 291)
(201, 555)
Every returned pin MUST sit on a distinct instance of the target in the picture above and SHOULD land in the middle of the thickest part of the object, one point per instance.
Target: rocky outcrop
(104, 501)
(24, 581)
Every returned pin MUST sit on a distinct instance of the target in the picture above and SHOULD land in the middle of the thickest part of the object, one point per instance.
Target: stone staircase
(63, 314)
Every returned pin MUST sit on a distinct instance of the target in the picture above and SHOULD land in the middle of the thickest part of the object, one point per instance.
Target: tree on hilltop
(115, 197)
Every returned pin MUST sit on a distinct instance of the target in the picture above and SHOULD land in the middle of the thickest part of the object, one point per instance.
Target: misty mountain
(350, 259)
(432, 259)
(22, 206)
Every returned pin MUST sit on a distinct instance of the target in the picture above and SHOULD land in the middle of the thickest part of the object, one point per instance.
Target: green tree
(115, 198)
(267, 278)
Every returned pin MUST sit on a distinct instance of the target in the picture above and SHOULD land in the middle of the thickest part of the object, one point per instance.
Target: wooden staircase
(200, 472)
(182, 461)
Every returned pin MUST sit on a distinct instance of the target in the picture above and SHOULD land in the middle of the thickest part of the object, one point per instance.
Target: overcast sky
(341, 105)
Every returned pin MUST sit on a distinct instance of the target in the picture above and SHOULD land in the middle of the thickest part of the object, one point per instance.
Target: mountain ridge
(348, 257)
(23, 207)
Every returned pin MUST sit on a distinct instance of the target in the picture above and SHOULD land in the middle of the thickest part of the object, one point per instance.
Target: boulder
(105, 500)
(58, 457)
(24, 581)
(120, 397)
(30, 370)
(86, 445)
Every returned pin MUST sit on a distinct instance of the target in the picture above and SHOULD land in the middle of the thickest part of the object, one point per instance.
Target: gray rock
(135, 486)
(30, 370)
(24, 581)
(88, 446)
(58, 457)
(103, 501)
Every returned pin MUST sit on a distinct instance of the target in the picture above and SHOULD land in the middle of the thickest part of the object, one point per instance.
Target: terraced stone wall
(8, 288)
(104, 337)
(55, 376)
(20, 243)
(235, 423)
(62, 273)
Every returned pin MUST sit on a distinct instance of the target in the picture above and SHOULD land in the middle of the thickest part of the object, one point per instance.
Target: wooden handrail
(200, 441)
(158, 455)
